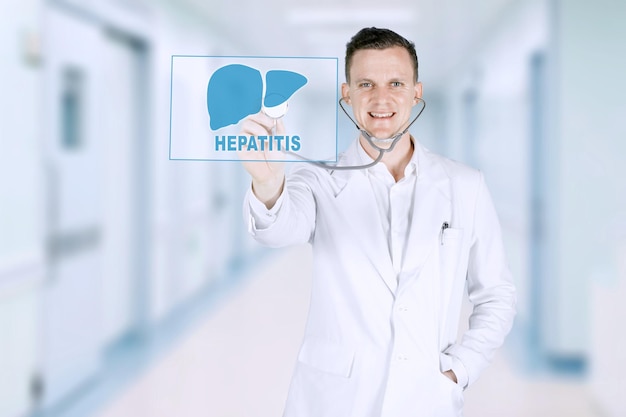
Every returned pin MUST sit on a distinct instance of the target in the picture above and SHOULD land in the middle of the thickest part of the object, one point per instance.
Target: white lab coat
(376, 342)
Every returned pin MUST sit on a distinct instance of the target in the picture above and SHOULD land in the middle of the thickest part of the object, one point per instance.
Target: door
(71, 307)
(125, 187)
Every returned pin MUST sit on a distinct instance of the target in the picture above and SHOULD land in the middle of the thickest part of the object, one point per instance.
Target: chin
(382, 134)
(383, 143)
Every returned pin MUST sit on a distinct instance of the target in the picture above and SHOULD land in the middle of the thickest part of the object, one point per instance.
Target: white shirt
(395, 204)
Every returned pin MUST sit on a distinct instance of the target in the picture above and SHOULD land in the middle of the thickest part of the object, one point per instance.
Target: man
(393, 246)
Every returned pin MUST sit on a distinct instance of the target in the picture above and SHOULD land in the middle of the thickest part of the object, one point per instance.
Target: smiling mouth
(381, 115)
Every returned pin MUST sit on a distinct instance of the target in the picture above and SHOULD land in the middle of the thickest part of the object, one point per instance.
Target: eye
(396, 84)
(365, 84)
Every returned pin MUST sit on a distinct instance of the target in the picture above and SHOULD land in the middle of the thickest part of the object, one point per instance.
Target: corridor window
(72, 112)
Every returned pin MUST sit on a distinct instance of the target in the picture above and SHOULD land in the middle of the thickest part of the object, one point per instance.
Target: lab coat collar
(428, 165)
(353, 193)
(431, 208)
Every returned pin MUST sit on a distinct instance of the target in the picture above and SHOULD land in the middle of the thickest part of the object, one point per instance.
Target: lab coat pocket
(451, 399)
(450, 251)
(450, 383)
(321, 385)
(451, 236)
(452, 279)
(328, 357)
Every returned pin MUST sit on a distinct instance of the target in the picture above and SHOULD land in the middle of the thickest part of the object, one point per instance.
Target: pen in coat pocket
(444, 226)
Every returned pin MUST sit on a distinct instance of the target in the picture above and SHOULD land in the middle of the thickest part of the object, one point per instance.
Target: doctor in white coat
(394, 246)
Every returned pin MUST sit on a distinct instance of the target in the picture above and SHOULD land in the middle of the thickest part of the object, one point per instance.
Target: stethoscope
(279, 111)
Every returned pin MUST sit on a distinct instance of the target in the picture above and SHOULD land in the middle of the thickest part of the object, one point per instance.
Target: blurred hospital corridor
(129, 284)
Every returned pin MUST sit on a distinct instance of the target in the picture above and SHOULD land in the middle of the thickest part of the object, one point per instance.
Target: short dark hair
(375, 38)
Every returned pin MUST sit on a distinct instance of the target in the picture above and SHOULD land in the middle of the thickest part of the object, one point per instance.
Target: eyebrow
(392, 80)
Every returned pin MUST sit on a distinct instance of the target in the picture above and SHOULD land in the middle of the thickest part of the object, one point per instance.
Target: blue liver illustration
(280, 85)
(234, 92)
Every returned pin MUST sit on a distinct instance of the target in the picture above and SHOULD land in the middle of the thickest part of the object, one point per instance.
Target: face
(382, 90)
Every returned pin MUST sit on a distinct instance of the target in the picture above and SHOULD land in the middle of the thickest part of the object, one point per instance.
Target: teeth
(381, 115)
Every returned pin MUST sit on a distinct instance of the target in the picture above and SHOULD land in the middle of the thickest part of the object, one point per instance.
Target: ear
(418, 92)
(345, 92)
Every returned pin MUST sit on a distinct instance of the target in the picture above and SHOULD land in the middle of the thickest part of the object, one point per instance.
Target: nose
(381, 95)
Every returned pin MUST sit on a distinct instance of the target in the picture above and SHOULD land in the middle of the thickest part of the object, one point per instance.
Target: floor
(238, 361)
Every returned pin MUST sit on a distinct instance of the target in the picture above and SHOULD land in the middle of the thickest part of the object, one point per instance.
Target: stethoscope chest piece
(276, 112)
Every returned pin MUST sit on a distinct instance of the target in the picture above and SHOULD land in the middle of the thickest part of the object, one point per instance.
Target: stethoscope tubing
(371, 140)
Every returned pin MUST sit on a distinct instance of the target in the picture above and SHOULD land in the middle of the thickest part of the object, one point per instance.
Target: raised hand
(267, 177)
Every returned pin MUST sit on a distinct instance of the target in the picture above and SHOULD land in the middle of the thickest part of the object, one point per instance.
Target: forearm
(490, 289)
(489, 324)
(289, 219)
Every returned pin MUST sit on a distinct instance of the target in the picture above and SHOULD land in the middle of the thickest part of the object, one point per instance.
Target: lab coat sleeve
(259, 216)
(290, 221)
(490, 290)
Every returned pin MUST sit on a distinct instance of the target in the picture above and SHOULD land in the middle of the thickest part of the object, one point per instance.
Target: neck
(396, 160)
